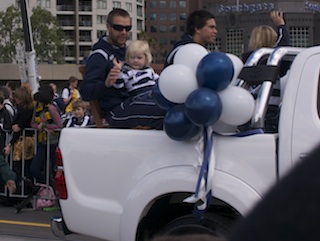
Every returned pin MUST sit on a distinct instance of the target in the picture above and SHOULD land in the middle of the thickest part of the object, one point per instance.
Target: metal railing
(20, 167)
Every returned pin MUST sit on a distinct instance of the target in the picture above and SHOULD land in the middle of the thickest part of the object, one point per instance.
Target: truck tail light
(61, 186)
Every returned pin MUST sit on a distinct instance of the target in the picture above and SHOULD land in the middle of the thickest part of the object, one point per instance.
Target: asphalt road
(30, 224)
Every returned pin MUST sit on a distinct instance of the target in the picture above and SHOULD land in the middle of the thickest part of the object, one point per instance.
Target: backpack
(45, 197)
(10, 106)
(60, 104)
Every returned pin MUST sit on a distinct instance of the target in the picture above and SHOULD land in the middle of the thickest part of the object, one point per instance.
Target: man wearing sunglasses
(102, 70)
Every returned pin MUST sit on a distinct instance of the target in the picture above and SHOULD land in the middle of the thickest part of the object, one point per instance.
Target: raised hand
(113, 73)
(277, 18)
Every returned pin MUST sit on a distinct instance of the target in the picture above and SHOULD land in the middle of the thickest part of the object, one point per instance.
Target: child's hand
(113, 73)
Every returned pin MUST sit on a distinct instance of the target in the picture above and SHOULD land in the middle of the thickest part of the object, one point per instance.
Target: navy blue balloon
(177, 125)
(160, 100)
(215, 71)
(203, 107)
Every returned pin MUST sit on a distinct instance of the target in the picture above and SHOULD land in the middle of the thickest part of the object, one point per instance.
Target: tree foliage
(47, 35)
(157, 50)
(10, 33)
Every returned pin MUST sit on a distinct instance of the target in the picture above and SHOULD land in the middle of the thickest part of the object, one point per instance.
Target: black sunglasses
(120, 28)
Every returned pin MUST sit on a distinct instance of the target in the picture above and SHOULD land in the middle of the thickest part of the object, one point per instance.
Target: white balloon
(237, 105)
(237, 66)
(223, 128)
(190, 55)
(176, 82)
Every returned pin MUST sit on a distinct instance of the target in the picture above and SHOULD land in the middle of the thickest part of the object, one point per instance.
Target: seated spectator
(120, 109)
(79, 117)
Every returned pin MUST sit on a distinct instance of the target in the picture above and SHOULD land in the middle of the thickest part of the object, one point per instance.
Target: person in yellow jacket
(70, 94)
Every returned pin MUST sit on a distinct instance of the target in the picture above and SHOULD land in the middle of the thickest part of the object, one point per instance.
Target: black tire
(211, 224)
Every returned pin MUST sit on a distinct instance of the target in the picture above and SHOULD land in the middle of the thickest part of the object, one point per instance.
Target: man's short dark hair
(117, 12)
(197, 19)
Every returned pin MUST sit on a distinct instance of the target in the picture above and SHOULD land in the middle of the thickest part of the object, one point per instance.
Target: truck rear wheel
(211, 224)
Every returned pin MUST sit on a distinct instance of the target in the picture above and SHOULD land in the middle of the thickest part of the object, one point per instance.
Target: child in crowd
(79, 118)
(70, 94)
(46, 120)
(7, 175)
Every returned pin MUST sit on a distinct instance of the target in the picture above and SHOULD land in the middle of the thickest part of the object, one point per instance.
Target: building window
(153, 4)
(101, 4)
(163, 4)
(129, 7)
(85, 36)
(216, 46)
(173, 16)
(182, 28)
(139, 11)
(163, 16)
(234, 41)
(182, 16)
(153, 16)
(182, 4)
(116, 4)
(139, 1)
(101, 19)
(139, 25)
(85, 21)
(44, 3)
(101, 33)
(163, 41)
(163, 28)
(153, 29)
(173, 4)
(299, 36)
(173, 28)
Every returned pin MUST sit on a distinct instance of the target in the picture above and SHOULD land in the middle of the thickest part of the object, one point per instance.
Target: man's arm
(97, 69)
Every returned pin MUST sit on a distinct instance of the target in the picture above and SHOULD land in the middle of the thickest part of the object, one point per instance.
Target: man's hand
(16, 128)
(113, 73)
(277, 18)
(11, 185)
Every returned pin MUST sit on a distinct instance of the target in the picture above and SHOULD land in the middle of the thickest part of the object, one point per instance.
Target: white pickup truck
(128, 185)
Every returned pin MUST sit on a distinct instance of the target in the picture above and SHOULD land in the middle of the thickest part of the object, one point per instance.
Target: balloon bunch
(198, 90)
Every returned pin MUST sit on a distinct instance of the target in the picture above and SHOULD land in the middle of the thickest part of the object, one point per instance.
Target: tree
(157, 50)
(10, 33)
(47, 35)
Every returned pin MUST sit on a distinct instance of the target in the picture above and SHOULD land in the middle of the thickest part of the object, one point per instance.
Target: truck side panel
(105, 179)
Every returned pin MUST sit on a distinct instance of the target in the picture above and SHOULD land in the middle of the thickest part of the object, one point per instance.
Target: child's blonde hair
(79, 103)
(262, 36)
(139, 46)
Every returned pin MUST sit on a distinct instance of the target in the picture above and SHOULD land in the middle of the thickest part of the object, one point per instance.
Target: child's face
(137, 60)
(79, 112)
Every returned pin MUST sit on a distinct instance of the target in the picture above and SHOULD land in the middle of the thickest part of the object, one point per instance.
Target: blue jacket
(98, 66)
(185, 39)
